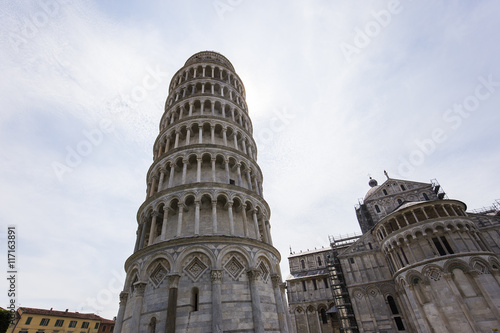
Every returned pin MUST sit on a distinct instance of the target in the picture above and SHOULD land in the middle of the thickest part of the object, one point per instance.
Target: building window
(395, 313)
(400, 201)
(426, 197)
(103, 328)
(315, 285)
(28, 320)
(377, 209)
(232, 182)
(319, 261)
(195, 296)
(324, 318)
(59, 323)
(303, 264)
(403, 188)
(446, 245)
(385, 192)
(438, 246)
(325, 281)
(72, 323)
(304, 285)
(351, 260)
(96, 326)
(152, 325)
(44, 321)
(370, 246)
(85, 324)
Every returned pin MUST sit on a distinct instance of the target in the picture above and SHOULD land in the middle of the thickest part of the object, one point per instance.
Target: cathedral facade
(204, 260)
(422, 264)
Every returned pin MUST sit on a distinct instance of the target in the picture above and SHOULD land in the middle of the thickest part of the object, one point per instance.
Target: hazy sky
(336, 91)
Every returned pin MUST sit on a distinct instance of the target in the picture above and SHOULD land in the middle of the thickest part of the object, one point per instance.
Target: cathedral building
(422, 264)
(204, 259)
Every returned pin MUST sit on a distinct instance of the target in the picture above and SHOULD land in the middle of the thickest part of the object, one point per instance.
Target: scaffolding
(343, 306)
(438, 190)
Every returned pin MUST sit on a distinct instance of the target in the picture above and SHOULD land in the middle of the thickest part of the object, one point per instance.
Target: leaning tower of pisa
(204, 260)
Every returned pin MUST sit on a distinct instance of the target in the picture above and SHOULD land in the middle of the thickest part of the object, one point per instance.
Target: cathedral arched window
(324, 318)
(303, 264)
(403, 188)
(426, 197)
(377, 209)
(385, 191)
(319, 261)
(400, 201)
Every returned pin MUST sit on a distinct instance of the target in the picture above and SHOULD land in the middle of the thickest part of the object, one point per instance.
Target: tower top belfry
(204, 258)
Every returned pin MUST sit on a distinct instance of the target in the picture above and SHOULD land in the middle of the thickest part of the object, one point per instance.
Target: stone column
(213, 103)
(135, 324)
(188, 136)
(167, 145)
(214, 216)
(191, 106)
(165, 219)
(137, 241)
(173, 283)
(224, 135)
(256, 224)
(226, 165)
(198, 170)
(238, 171)
(197, 217)
(184, 170)
(231, 219)
(121, 312)
(216, 302)
(265, 231)
(276, 279)
(152, 188)
(244, 146)
(200, 134)
(212, 134)
(268, 232)
(235, 141)
(258, 326)
(176, 143)
(162, 177)
(171, 178)
(249, 179)
(143, 234)
(152, 230)
(245, 226)
(213, 169)
(179, 221)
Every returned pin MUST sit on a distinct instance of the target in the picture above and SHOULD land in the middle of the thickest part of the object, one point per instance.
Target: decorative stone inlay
(158, 275)
(195, 269)
(434, 274)
(480, 268)
(234, 268)
(264, 271)
(373, 292)
(358, 295)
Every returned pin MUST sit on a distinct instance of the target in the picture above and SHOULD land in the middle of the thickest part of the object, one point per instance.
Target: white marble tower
(204, 259)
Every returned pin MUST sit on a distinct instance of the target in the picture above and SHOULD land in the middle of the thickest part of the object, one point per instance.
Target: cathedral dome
(374, 186)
